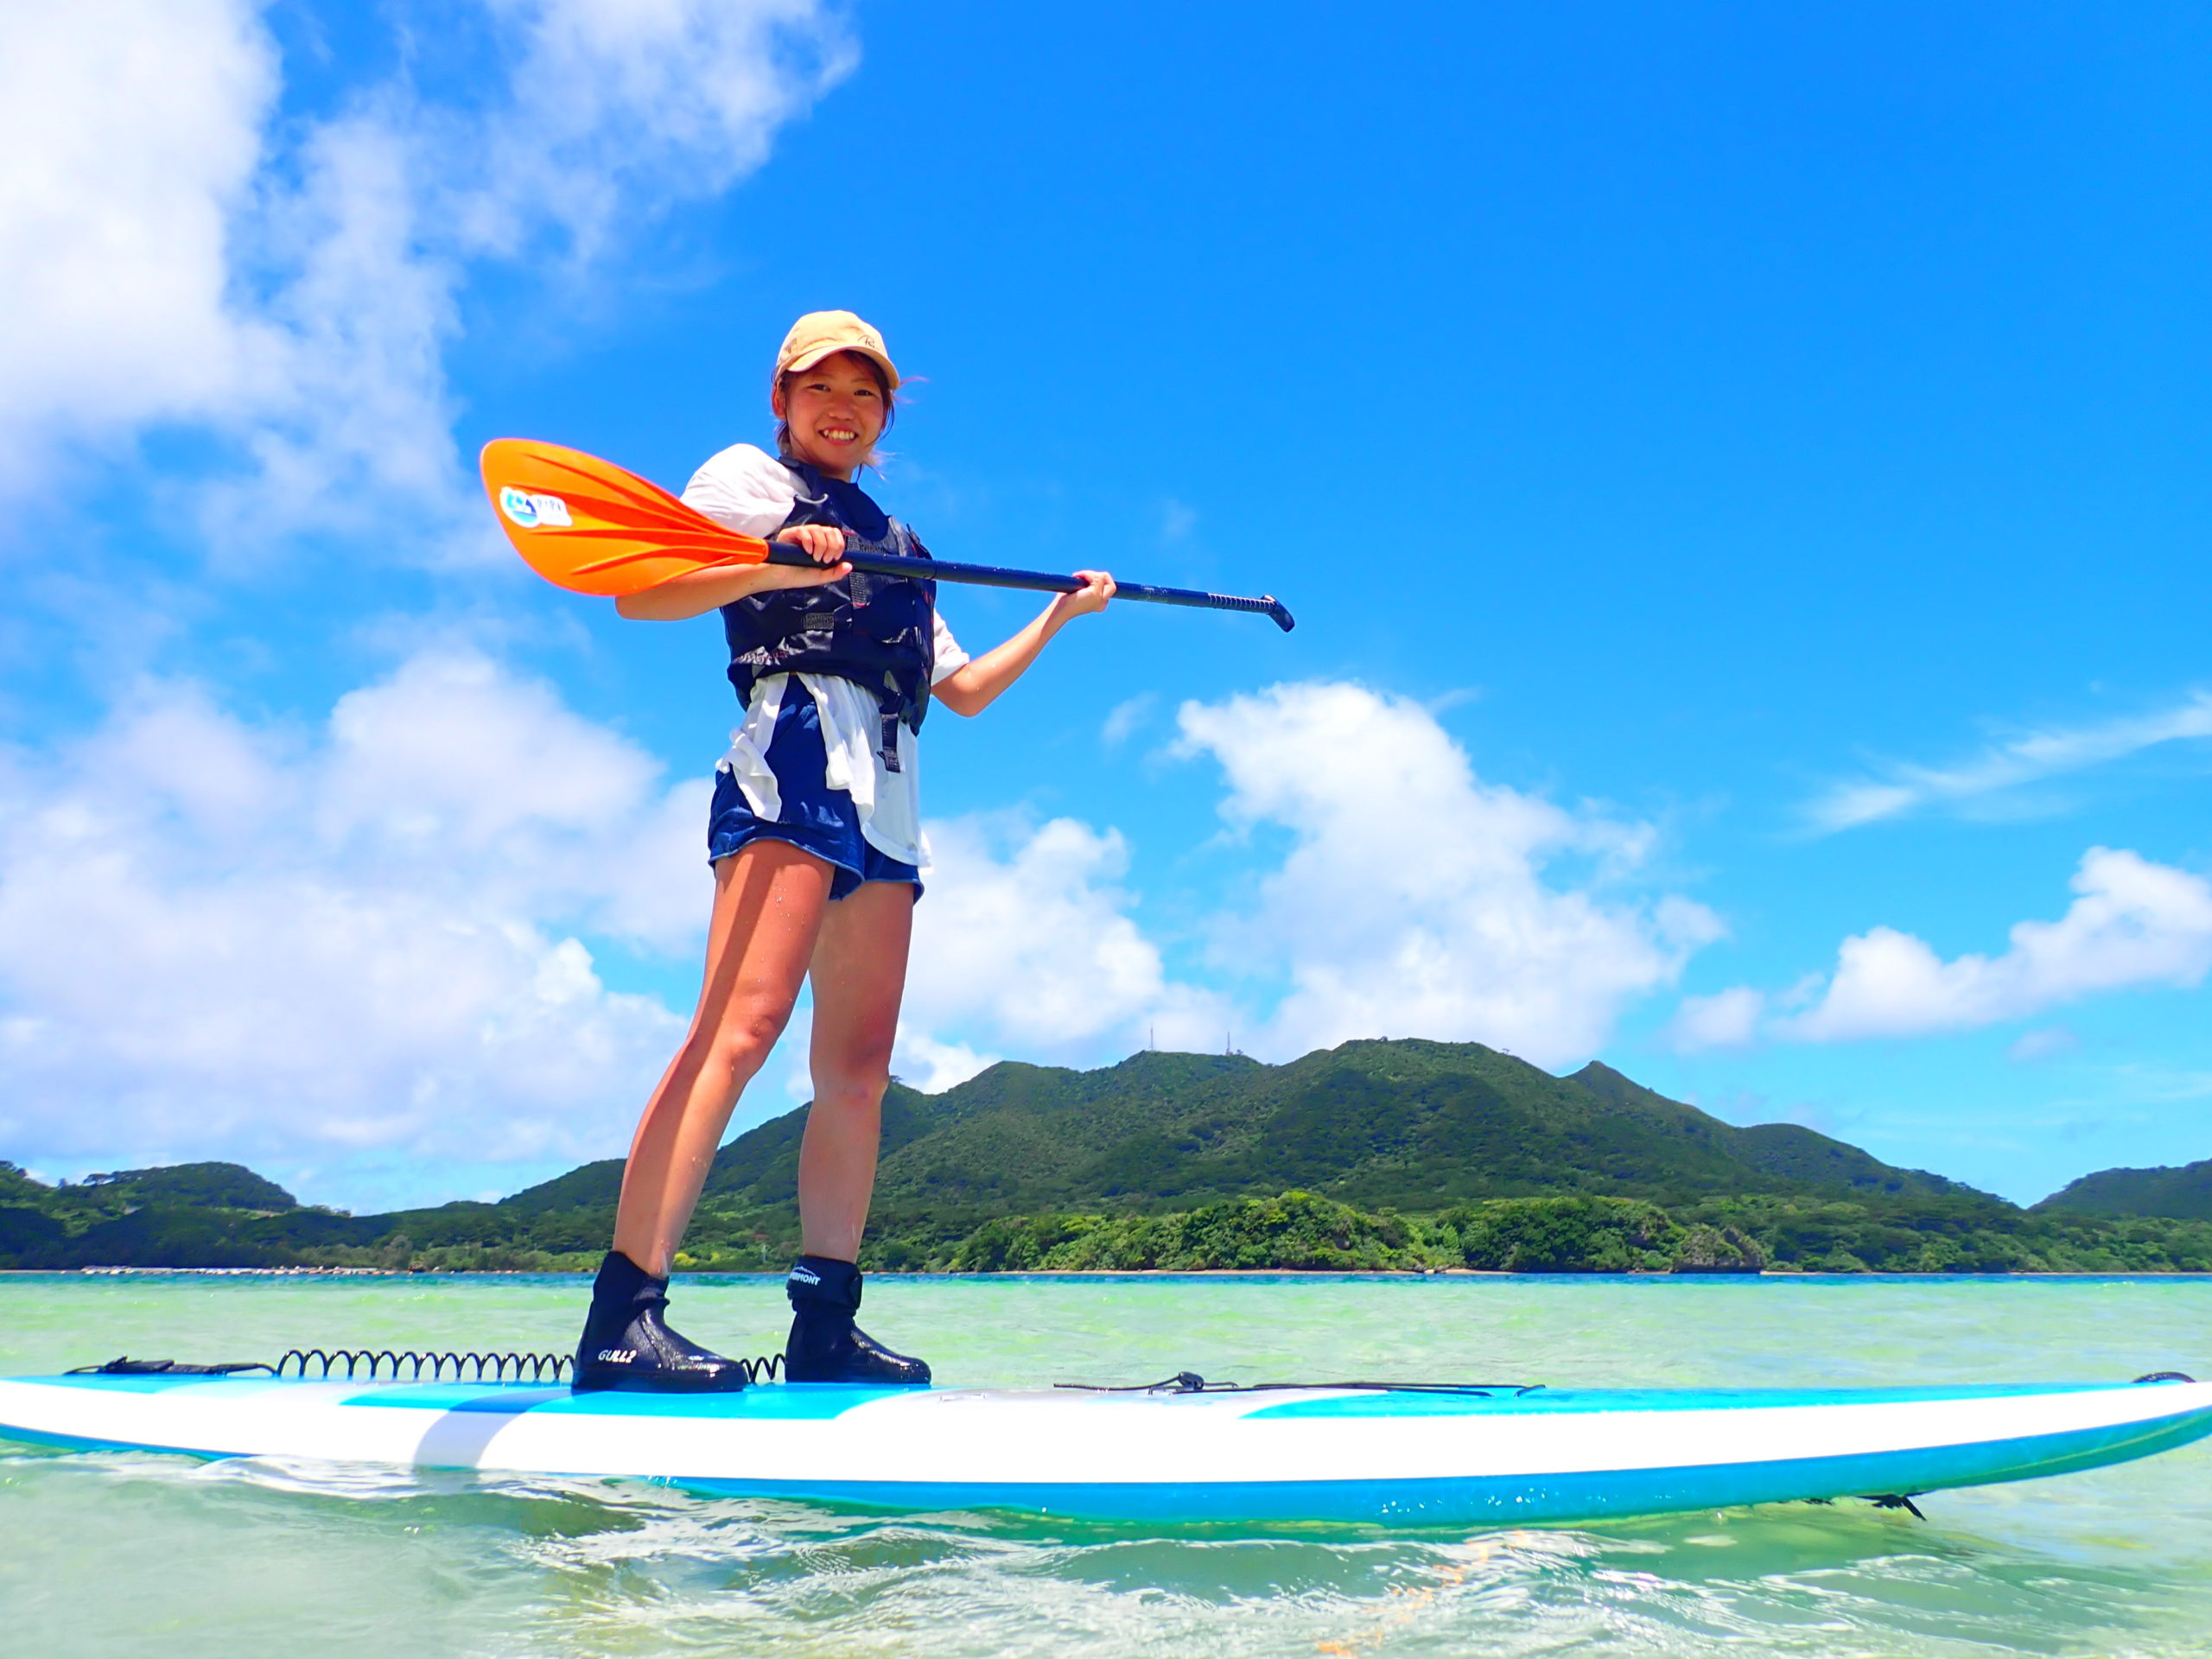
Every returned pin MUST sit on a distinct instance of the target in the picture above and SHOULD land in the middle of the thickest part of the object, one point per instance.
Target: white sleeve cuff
(946, 656)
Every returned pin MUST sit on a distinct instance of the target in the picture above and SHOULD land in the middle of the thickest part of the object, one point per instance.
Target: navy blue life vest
(878, 632)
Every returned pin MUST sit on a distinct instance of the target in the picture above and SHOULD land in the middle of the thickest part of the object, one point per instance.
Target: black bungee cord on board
(1192, 1383)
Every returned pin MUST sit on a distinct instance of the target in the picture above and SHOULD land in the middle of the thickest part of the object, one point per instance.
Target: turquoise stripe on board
(773, 1402)
(79, 1443)
(785, 1401)
(1512, 1500)
(778, 1401)
(1568, 1402)
(503, 1398)
(213, 1388)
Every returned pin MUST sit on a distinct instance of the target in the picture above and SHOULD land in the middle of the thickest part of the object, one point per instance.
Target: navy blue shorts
(817, 819)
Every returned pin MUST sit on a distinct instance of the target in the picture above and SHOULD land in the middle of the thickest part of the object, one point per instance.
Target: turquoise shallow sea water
(109, 1553)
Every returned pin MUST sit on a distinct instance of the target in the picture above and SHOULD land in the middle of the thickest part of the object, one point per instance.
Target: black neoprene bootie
(826, 1346)
(627, 1345)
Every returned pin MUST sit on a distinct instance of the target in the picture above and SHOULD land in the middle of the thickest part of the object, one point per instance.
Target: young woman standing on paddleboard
(816, 849)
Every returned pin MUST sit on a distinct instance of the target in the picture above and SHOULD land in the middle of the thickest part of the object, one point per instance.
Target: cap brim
(807, 359)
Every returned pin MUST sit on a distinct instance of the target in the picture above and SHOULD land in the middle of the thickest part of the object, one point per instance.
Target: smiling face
(835, 411)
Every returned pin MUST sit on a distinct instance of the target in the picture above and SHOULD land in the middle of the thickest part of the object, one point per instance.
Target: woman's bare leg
(860, 973)
(769, 902)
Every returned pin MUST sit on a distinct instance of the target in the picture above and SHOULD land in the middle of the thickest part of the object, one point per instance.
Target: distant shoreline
(776, 1276)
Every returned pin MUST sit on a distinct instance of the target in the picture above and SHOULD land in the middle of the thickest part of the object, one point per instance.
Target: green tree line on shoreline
(1373, 1157)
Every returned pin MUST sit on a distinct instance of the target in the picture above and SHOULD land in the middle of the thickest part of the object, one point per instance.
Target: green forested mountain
(1410, 1125)
(2184, 1193)
(1405, 1125)
(175, 1210)
(215, 1186)
(1405, 1154)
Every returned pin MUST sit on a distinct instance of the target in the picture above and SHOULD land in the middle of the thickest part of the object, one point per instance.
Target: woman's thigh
(860, 975)
(770, 901)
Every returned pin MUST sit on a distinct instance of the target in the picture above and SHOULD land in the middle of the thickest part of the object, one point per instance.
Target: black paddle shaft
(986, 576)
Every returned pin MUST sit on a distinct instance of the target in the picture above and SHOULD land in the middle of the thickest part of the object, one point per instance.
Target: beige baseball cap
(824, 334)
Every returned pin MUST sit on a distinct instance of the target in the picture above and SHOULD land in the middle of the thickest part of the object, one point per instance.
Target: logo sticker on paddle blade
(530, 511)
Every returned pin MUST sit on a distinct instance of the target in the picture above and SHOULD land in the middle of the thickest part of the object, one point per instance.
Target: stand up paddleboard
(1406, 1455)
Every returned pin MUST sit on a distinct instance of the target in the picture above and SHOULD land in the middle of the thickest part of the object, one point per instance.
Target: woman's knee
(739, 1044)
(852, 1082)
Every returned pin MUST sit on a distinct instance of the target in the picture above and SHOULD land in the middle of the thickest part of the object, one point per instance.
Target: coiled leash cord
(390, 1365)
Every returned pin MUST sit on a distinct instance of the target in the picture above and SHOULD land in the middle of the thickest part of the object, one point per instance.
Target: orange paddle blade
(586, 524)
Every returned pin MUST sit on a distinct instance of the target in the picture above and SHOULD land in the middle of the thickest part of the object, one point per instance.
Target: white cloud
(922, 1062)
(2045, 1042)
(171, 251)
(346, 420)
(1023, 947)
(2022, 760)
(222, 938)
(1728, 1018)
(453, 765)
(1125, 717)
(1415, 898)
(1021, 940)
(614, 105)
(2133, 923)
(133, 130)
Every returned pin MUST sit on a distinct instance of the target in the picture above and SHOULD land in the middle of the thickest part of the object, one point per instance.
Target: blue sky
(1738, 472)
